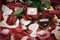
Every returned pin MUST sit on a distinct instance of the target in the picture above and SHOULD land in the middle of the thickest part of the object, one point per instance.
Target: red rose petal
(11, 20)
(1, 16)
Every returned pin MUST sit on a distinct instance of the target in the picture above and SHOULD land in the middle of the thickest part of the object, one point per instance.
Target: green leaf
(39, 6)
(47, 4)
(29, 2)
(19, 11)
(36, 1)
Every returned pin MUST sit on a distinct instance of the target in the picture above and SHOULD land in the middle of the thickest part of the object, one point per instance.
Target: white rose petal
(45, 9)
(33, 34)
(4, 24)
(33, 27)
(6, 10)
(5, 31)
(42, 32)
(58, 20)
(5, 17)
(12, 37)
(20, 0)
(24, 27)
(25, 38)
(25, 22)
(57, 27)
